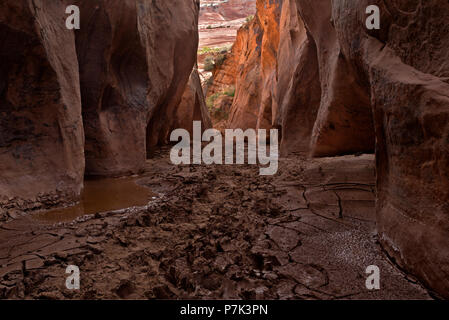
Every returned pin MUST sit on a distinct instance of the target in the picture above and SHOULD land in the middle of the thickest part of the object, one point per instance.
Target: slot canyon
(86, 179)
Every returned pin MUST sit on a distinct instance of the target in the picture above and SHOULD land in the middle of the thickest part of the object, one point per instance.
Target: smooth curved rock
(297, 92)
(41, 131)
(256, 70)
(344, 120)
(135, 60)
(408, 74)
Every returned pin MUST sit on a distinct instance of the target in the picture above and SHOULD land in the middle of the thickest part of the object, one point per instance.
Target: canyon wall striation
(255, 55)
(89, 101)
(334, 87)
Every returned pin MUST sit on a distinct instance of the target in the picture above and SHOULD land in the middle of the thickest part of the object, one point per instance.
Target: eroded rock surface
(192, 106)
(41, 130)
(252, 103)
(293, 77)
(99, 96)
(407, 69)
(135, 61)
(337, 88)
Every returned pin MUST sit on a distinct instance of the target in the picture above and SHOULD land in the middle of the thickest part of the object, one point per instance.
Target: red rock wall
(225, 75)
(281, 54)
(256, 65)
(135, 63)
(407, 69)
(245, 107)
(344, 119)
(192, 106)
(41, 130)
(115, 84)
(297, 91)
(337, 88)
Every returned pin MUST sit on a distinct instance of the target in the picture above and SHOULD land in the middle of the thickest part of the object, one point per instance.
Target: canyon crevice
(364, 138)
(89, 101)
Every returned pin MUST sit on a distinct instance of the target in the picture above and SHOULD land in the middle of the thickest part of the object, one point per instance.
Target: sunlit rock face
(41, 130)
(255, 51)
(292, 77)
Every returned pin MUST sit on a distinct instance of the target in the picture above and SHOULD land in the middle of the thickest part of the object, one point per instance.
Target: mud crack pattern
(216, 232)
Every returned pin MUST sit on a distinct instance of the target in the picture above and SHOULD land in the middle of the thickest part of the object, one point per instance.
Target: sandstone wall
(255, 69)
(135, 60)
(192, 106)
(281, 55)
(337, 88)
(297, 91)
(225, 75)
(92, 100)
(41, 130)
(407, 69)
(344, 121)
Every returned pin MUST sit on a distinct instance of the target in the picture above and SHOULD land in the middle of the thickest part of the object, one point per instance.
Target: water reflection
(101, 195)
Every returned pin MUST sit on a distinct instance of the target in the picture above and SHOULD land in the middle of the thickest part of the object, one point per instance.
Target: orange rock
(256, 64)
(407, 71)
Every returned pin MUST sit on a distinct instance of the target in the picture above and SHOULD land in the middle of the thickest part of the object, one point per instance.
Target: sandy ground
(216, 232)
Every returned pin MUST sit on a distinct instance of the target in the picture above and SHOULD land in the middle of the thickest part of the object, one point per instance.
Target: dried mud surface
(216, 232)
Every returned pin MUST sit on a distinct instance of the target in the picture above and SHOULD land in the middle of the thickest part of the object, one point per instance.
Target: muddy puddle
(101, 195)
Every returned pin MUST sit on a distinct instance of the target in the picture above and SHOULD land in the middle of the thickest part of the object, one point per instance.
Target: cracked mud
(215, 232)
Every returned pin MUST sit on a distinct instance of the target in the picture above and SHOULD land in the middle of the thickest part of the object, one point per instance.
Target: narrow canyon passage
(87, 171)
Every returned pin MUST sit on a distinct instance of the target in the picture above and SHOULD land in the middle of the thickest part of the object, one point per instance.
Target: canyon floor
(219, 232)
